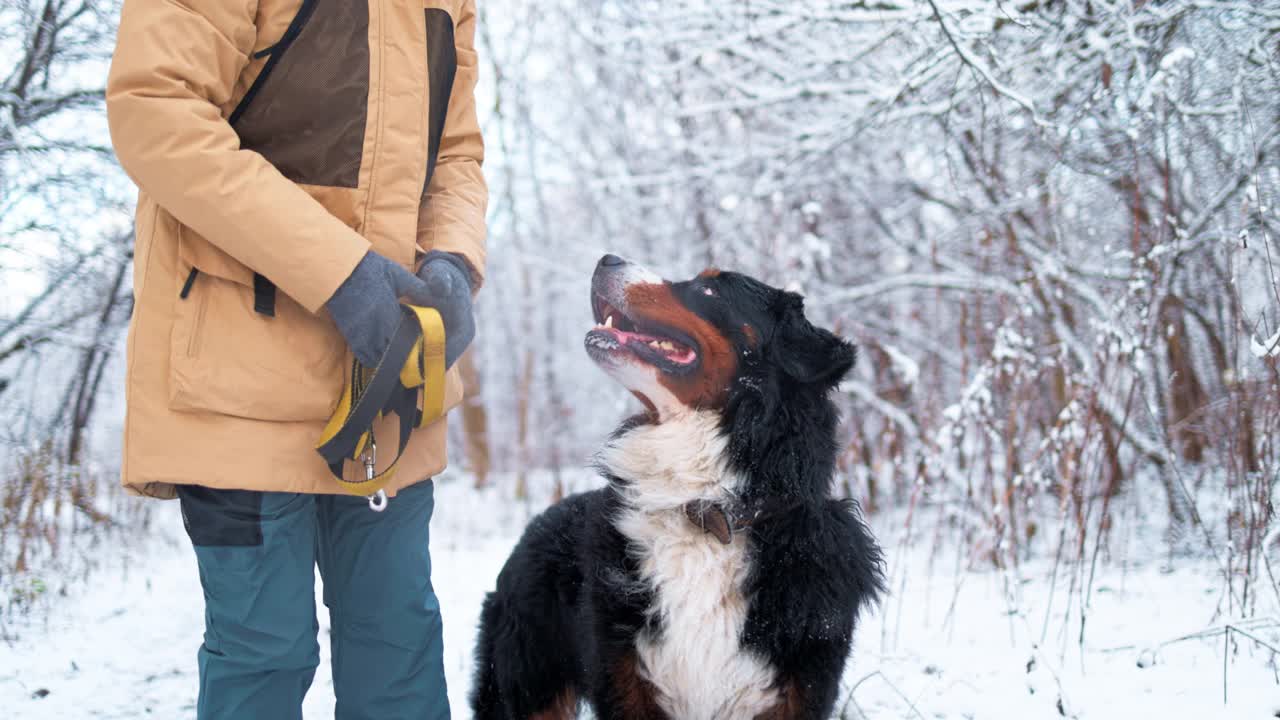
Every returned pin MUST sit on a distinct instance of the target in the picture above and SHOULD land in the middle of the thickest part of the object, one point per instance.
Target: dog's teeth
(608, 321)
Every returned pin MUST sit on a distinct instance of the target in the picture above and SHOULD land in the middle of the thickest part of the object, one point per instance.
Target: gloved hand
(448, 281)
(366, 306)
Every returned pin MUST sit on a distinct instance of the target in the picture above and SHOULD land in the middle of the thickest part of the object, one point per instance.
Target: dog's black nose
(611, 261)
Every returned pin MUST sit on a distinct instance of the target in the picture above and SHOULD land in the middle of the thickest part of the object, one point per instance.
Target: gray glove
(448, 281)
(366, 306)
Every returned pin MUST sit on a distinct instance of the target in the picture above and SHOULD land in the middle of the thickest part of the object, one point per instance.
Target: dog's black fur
(562, 626)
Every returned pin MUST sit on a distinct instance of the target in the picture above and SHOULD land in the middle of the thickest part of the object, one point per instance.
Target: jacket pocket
(224, 358)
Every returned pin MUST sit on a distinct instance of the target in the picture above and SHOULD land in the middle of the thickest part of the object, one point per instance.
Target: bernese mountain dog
(714, 577)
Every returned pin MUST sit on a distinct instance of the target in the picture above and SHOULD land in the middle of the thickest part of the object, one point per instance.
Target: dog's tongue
(673, 351)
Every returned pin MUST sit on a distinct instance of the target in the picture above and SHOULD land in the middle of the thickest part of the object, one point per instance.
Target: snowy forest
(1052, 228)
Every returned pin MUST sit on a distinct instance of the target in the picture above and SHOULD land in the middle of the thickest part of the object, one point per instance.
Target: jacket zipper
(273, 55)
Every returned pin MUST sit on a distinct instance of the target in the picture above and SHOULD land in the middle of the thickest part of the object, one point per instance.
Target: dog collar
(713, 518)
(724, 521)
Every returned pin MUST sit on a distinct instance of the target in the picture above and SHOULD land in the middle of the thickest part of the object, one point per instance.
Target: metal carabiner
(378, 500)
(370, 459)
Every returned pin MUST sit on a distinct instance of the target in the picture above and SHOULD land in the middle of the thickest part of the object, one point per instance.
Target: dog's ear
(806, 353)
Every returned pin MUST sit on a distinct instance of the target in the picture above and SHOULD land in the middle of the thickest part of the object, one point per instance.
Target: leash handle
(411, 368)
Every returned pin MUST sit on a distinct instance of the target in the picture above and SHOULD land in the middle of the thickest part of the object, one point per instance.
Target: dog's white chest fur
(696, 662)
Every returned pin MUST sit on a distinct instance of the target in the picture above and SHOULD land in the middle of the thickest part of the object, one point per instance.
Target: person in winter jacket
(302, 166)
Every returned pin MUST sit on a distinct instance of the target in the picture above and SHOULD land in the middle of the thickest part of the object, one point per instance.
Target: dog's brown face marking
(652, 337)
(707, 385)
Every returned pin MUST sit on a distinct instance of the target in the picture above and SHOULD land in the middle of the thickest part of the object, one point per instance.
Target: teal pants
(256, 552)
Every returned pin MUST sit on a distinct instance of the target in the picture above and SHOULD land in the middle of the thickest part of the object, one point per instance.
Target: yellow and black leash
(410, 371)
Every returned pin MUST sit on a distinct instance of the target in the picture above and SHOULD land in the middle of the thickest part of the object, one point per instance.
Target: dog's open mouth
(664, 347)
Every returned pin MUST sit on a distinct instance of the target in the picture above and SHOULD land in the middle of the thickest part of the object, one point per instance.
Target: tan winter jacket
(273, 143)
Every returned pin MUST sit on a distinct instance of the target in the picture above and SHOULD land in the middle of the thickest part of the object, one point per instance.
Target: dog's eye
(708, 291)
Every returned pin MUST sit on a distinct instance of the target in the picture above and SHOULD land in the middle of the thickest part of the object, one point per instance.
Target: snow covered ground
(946, 644)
